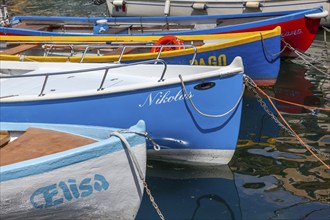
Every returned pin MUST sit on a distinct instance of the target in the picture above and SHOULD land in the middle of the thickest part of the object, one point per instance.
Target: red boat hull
(299, 34)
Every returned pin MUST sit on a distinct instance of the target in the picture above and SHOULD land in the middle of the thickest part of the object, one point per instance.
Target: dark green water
(271, 175)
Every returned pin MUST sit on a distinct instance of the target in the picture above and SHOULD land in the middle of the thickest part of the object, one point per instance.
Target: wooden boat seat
(116, 30)
(162, 27)
(4, 138)
(36, 142)
(38, 27)
(118, 51)
(19, 49)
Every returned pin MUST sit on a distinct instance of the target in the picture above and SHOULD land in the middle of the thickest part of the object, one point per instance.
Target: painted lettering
(164, 98)
(47, 193)
(86, 187)
(65, 190)
(212, 61)
(74, 188)
(201, 62)
(292, 33)
(56, 194)
(100, 183)
(220, 60)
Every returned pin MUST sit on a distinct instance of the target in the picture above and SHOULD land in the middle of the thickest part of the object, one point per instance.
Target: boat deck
(68, 83)
(76, 79)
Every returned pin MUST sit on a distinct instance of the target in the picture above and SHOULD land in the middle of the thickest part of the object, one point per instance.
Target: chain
(146, 135)
(152, 200)
(251, 86)
(137, 166)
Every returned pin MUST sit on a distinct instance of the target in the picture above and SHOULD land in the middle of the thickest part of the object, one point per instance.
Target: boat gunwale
(72, 156)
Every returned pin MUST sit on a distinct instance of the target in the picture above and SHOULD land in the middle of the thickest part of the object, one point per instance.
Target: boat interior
(117, 48)
(132, 27)
(18, 146)
(94, 49)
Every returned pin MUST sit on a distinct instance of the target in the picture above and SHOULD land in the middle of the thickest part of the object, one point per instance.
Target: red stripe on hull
(299, 33)
(8, 34)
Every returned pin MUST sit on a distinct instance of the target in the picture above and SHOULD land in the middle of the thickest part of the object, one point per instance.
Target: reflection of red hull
(292, 86)
(265, 82)
(299, 33)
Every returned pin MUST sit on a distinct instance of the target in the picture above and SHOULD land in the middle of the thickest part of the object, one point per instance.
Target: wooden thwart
(19, 49)
(118, 51)
(4, 138)
(38, 27)
(36, 142)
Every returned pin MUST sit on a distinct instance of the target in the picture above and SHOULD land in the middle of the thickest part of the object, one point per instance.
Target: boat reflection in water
(292, 86)
(191, 192)
(273, 171)
(257, 126)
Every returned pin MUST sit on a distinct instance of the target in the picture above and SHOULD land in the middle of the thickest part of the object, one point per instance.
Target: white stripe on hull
(188, 156)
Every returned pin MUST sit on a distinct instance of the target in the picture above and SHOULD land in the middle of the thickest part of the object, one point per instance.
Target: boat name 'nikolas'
(56, 194)
(163, 98)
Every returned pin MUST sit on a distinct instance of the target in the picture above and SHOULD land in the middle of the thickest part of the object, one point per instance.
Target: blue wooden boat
(262, 65)
(58, 171)
(299, 28)
(192, 112)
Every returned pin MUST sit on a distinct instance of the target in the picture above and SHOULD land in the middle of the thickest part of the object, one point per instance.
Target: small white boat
(207, 7)
(57, 171)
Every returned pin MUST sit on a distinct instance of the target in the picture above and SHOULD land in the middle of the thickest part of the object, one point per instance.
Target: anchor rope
(137, 166)
(300, 105)
(304, 57)
(267, 51)
(325, 30)
(288, 128)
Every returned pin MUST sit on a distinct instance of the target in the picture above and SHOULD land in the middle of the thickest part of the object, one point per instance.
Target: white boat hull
(99, 188)
(209, 7)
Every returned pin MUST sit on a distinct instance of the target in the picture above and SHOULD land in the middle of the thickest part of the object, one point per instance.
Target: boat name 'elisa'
(56, 194)
(163, 98)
